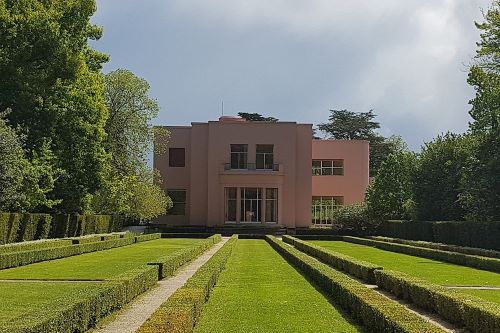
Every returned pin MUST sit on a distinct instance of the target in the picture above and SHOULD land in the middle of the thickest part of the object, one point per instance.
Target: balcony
(251, 167)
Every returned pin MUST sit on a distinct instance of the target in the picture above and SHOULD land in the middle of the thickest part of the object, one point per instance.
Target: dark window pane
(260, 161)
(338, 171)
(338, 163)
(326, 171)
(271, 193)
(327, 163)
(239, 148)
(231, 192)
(268, 162)
(268, 149)
(316, 164)
(176, 157)
(177, 195)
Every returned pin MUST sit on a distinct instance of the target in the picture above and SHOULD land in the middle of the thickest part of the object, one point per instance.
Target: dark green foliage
(145, 238)
(374, 311)
(182, 310)
(437, 181)
(354, 218)
(9, 260)
(358, 268)
(475, 314)
(169, 264)
(440, 246)
(34, 226)
(416, 230)
(488, 264)
(256, 117)
(34, 245)
(9, 225)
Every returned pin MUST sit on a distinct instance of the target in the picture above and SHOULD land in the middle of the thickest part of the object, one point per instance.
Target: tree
(441, 165)
(256, 117)
(50, 80)
(391, 194)
(348, 125)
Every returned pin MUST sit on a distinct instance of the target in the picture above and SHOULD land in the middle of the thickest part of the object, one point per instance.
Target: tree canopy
(256, 117)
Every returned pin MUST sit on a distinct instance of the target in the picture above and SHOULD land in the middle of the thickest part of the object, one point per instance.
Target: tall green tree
(390, 196)
(348, 125)
(50, 80)
(481, 182)
(441, 166)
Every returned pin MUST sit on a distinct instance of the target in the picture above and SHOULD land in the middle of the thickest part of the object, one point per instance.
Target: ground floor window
(178, 198)
(323, 208)
(251, 204)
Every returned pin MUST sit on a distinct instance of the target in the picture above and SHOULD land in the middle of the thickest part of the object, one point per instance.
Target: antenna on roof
(222, 107)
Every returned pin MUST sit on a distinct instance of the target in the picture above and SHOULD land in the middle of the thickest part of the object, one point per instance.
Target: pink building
(236, 172)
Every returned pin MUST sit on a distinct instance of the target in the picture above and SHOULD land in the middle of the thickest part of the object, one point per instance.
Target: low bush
(354, 218)
(376, 312)
(358, 268)
(488, 264)
(82, 310)
(169, 264)
(147, 237)
(476, 314)
(439, 246)
(9, 260)
(181, 311)
(34, 245)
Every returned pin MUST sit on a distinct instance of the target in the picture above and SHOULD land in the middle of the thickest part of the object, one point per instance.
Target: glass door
(251, 204)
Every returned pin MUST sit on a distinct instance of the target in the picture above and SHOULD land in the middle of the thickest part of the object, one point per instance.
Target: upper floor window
(176, 157)
(179, 199)
(264, 158)
(239, 156)
(328, 167)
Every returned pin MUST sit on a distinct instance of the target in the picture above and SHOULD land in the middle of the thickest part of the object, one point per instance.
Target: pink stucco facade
(255, 173)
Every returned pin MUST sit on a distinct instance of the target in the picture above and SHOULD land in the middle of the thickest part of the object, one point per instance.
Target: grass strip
(370, 308)
(181, 311)
(361, 269)
(440, 246)
(484, 263)
(475, 314)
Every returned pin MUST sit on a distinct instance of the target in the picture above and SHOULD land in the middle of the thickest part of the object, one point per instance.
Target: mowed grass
(427, 269)
(260, 292)
(102, 264)
(22, 300)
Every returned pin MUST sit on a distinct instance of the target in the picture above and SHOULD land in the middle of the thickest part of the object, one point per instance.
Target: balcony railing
(250, 167)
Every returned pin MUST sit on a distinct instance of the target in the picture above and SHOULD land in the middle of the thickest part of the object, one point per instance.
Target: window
(231, 202)
(271, 205)
(176, 157)
(179, 200)
(328, 167)
(323, 208)
(264, 158)
(251, 204)
(239, 154)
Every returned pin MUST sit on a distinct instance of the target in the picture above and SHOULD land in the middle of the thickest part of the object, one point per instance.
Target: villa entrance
(251, 205)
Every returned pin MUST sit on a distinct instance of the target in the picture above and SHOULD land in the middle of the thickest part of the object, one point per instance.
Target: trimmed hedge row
(475, 314)
(169, 264)
(358, 268)
(439, 246)
(9, 260)
(484, 263)
(182, 310)
(82, 310)
(18, 227)
(34, 245)
(470, 234)
(376, 312)
(147, 237)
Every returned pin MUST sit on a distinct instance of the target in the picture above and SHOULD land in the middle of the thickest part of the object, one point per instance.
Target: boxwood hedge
(181, 311)
(373, 310)
(358, 268)
(476, 314)
(488, 264)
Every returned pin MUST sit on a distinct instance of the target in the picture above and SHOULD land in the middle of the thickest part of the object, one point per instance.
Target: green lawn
(99, 265)
(431, 270)
(260, 292)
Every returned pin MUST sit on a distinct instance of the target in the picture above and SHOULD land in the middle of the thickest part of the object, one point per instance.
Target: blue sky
(296, 59)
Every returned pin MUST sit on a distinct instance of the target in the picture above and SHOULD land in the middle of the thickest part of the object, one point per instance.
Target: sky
(297, 59)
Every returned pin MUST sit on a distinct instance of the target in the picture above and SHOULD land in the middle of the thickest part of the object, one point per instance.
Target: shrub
(182, 310)
(439, 246)
(34, 245)
(476, 314)
(355, 218)
(373, 310)
(489, 264)
(358, 268)
(147, 237)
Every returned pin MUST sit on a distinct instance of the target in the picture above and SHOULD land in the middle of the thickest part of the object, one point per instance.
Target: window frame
(170, 164)
(327, 205)
(266, 156)
(241, 156)
(327, 167)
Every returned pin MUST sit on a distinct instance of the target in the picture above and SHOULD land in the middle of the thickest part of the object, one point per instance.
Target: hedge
(475, 314)
(17, 227)
(169, 264)
(82, 310)
(358, 268)
(9, 260)
(440, 246)
(484, 263)
(182, 310)
(34, 245)
(147, 237)
(373, 310)
(466, 233)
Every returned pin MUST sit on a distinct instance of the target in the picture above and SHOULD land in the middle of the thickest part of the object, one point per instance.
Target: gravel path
(130, 319)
